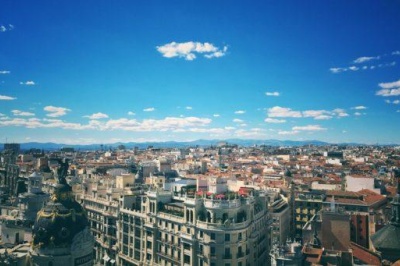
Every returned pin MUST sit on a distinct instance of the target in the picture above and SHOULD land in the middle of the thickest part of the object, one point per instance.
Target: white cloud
(396, 53)
(22, 113)
(236, 120)
(216, 115)
(353, 68)
(275, 93)
(274, 121)
(288, 133)
(28, 83)
(96, 116)
(4, 72)
(150, 109)
(251, 133)
(390, 85)
(336, 70)
(389, 89)
(357, 113)
(364, 59)
(131, 113)
(317, 114)
(340, 112)
(188, 50)
(278, 111)
(217, 53)
(360, 107)
(240, 112)
(308, 128)
(396, 102)
(56, 111)
(323, 117)
(6, 98)
(4, 28)
(173, 124)
(388, 92)
(189, 108)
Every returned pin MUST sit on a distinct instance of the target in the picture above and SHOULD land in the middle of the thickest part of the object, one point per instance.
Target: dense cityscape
(200, 133)
(212, 205)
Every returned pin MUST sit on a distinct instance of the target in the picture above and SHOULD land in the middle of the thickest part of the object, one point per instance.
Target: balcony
(227, 256)
(222, 204)
(221, 226)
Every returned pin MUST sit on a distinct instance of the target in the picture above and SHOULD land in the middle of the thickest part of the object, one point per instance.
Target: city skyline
(100, 72)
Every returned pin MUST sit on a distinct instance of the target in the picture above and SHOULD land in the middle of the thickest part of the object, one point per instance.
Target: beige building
(158, 228)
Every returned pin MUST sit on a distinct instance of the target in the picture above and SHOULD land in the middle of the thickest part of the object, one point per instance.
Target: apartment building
(160, 228)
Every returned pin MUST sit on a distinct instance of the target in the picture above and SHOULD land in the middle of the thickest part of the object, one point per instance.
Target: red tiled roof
(370, 196)
(365, 255)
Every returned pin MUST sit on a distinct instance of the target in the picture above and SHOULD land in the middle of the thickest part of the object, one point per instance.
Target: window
(228, 253)
(201, 234)
(186, 259)
(240, 236)
(212, 236)
(212, 250)
(227, 237)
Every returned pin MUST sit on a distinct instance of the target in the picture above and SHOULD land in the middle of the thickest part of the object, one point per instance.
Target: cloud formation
(389, 89)
(96, 116)
(21, 113)
(278, 111)
(6, 98)
(274, 121)
(4, 28)
(56, 111)
(364, 59)
(188, 50)
(174, 124)
(240, 112)
(28, 83)
(131, 113)
(4, 72)
(284, 112)
(360, 107)
(308, 128)
(150, 109)
(364, 63)
(274, 93)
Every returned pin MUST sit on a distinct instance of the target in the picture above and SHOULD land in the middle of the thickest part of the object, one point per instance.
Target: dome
(59, 220)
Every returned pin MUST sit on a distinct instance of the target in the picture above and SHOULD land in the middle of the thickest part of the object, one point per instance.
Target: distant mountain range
(174, 144)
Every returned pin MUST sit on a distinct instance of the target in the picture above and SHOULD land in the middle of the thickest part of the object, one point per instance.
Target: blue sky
(106, 71)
